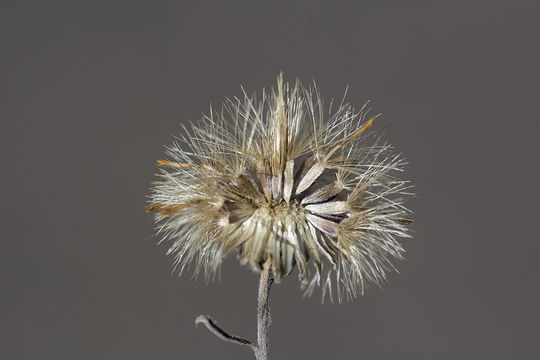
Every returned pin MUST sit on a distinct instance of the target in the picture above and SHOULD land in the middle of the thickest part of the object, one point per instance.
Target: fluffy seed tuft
(274, 178)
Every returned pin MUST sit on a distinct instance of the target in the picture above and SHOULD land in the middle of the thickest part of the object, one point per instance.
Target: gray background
(92, 91)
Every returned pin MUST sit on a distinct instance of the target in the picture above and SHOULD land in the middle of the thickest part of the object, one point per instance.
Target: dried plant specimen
(287, 184)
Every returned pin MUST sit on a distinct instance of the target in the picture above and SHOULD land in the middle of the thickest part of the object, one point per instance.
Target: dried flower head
(274, 178)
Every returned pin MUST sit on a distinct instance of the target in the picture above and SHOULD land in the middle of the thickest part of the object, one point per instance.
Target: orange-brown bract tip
(405, 221)
(152, 208)
(162, 162)
(369, 123)
(358, 132)
(166, 209)
(172, 208)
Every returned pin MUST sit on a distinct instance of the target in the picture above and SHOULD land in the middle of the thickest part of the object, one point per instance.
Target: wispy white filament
(273, 177)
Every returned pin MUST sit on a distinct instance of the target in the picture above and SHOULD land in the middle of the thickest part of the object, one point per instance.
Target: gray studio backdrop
(92, 91)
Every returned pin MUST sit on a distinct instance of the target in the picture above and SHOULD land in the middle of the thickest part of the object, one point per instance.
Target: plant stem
(263, 317)
(263, 311)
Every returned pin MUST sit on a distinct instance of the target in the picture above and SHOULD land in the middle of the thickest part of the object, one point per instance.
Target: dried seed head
(274, 178)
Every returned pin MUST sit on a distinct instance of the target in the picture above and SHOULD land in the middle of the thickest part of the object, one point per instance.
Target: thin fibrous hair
(276, 177)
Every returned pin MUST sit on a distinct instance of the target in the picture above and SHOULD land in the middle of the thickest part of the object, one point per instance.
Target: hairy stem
(263, 311)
